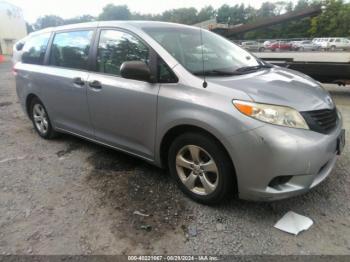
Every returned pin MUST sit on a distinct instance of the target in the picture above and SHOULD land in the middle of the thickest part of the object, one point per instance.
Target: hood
(280, 86)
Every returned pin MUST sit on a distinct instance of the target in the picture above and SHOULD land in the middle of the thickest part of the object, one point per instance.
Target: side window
(165, 74)
(35, 48)
(116, 47)
(71, 49)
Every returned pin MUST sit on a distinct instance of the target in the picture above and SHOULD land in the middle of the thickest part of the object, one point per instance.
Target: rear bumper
(275, 162)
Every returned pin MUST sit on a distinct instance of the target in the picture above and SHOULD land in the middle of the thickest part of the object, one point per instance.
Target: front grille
(322, 121)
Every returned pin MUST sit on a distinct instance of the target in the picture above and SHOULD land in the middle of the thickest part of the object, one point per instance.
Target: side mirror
(136, 70)
(19, 46)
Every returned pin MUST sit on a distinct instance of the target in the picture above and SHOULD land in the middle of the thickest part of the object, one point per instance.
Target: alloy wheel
(40, 118)
(197, 170)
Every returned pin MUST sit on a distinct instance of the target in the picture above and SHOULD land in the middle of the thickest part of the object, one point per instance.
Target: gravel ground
(69, 196)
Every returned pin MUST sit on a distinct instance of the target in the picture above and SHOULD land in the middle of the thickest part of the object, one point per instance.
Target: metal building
(12, 26)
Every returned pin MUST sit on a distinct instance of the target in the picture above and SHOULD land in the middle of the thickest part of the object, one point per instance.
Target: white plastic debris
(293, 223)
(138, 213)
(12, 159)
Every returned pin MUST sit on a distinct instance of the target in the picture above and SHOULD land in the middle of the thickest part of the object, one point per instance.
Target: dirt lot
(69, 196)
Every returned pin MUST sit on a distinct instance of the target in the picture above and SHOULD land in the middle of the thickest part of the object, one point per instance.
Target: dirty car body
(280, 130)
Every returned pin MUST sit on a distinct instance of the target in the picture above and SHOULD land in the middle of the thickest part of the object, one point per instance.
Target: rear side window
(71, 49)
(116, 47)
(35, 48)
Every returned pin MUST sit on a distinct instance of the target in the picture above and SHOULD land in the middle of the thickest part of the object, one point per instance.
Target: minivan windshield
(221, 56)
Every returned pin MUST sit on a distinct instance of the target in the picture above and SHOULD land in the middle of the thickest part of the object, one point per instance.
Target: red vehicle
(280, 45)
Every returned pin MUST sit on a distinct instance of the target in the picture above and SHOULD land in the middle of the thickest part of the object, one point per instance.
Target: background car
(306, 45)
(337, 43)
(280, 45)
(253, 46)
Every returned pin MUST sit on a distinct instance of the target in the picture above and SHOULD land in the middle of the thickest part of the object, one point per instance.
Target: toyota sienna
(220, 119)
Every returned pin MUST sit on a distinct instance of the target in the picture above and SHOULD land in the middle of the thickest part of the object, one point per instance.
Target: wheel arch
(180, 129)
(28, 100)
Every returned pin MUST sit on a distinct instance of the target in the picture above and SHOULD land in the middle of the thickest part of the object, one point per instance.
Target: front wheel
(202, 168)
(41, 120)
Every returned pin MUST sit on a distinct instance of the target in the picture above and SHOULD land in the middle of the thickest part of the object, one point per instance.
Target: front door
(123, 111)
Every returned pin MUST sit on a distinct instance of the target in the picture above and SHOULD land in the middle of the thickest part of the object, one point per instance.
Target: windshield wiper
(246, 69)
(216, 73)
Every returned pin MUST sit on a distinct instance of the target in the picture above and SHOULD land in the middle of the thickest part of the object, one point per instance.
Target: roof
(125, 23)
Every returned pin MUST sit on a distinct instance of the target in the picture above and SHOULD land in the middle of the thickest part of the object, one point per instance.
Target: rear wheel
(41, 120)
(201, 168)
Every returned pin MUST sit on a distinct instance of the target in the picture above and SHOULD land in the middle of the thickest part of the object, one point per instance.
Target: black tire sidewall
(226, 183)
(50, 132)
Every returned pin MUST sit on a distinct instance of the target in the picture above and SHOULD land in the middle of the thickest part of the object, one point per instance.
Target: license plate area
(341, 142)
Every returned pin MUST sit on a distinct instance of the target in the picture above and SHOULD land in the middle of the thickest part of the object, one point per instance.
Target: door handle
(78, 81)
(95, 84)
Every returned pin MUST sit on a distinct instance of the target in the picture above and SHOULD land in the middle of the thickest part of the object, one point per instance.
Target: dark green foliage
(334, 20)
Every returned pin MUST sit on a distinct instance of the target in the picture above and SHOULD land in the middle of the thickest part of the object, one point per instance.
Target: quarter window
(116, 47)
(71, 49)
(35, 48)
(165, 75)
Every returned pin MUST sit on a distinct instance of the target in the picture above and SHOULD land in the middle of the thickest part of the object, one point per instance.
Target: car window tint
(71, 49)
(116, 47)
(35, 48)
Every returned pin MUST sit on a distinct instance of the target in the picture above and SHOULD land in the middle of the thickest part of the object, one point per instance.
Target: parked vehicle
(295, 45)
(266, 43)
(306, 45)
(222, 124)
(253, 46)
(280, 46)
(336, 43)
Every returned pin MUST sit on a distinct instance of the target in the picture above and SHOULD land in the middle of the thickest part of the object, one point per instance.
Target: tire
(333, 48)
(261, 49)
(220, 177)
(41, 120)
(301, 49)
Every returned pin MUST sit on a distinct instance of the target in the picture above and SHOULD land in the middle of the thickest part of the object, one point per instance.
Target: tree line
(333, 21)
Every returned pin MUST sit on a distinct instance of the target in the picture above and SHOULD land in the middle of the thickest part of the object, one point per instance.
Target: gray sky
(32, 9)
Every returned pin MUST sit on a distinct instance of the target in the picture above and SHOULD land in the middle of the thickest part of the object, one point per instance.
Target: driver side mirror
(137, 70)
(19, 46)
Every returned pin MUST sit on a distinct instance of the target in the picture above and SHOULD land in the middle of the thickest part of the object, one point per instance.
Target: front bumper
(274, 162)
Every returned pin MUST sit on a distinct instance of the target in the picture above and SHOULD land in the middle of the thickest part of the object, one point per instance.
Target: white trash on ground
(293, 223)
(12, 159)
(140, 214)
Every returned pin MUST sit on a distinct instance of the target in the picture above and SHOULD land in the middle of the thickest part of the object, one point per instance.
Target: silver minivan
(221, 120)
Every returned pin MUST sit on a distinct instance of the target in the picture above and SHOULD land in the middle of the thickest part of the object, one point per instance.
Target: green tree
(301, 4)
(232, 15)
(48, 21)
(115, 12)
(267, 9)
(289, 7)
(206, 13)
(334, 20)
(79, 19)
(181, 15)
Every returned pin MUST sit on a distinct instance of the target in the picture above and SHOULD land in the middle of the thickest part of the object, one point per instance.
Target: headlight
(277, 115)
